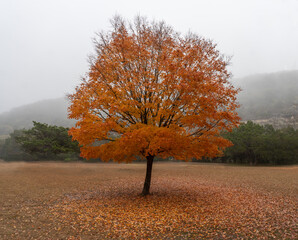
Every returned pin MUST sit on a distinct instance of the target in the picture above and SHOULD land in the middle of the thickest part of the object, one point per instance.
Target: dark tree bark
(148, 175)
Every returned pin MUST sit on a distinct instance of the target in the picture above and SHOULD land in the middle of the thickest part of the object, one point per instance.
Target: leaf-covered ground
(188, 201)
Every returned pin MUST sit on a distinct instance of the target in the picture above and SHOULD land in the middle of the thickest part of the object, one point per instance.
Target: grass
(188, 201)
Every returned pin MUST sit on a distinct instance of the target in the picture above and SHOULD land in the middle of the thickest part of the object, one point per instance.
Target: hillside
(268, 95)
(52, 111)
(266, 98)
(270, 98)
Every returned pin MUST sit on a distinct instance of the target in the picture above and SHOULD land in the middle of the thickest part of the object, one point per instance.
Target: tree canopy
(151, 91)
(44, 140)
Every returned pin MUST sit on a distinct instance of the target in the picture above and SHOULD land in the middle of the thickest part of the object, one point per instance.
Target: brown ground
(189, 201)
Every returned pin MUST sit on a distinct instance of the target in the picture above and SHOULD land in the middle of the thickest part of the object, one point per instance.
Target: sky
(44, 44)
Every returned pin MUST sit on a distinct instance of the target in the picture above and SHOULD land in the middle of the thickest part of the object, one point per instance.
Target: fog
(44, 44)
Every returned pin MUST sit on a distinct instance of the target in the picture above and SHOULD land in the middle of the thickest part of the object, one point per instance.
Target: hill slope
(265, 96)
(52, 111)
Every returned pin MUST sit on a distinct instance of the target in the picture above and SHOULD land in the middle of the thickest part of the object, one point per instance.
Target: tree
(45, 140)
(152, 92)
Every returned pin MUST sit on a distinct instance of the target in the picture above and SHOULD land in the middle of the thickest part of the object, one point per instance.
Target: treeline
(253, 145)
(261, 145)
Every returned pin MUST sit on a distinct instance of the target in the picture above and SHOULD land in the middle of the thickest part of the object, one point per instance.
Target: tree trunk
(148, 175)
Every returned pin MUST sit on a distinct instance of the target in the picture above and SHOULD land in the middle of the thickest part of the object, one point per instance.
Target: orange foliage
(152, 92)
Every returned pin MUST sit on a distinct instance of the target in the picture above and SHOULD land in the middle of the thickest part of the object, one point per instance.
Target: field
(188, 201)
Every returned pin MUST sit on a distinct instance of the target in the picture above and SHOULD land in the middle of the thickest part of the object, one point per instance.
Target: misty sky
(44, 44)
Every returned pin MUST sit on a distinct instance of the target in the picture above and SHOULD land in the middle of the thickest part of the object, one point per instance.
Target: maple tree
(152, 92)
